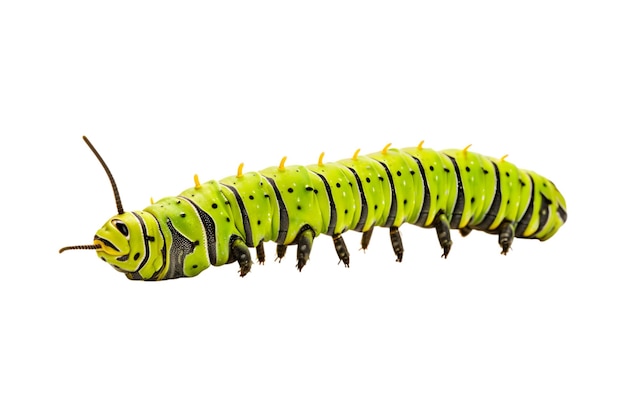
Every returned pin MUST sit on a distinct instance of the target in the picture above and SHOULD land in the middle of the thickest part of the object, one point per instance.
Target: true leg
(239, 252)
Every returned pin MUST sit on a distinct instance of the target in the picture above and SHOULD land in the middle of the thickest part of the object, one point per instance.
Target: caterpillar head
(119, 241)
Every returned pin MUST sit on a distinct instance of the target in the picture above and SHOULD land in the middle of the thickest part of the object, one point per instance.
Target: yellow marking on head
(101, 247)
(503, 158)
(196, 180)
(240, 170)
(319, 161)
(466, 148)
(386, 148)
(151, 200)
(419, 147)
(356, 154)
(281, 167)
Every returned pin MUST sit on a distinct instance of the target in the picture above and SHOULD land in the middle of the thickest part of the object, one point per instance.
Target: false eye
(121, 226)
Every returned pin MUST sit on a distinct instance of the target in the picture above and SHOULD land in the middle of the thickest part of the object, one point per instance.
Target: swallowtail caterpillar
(214, 223)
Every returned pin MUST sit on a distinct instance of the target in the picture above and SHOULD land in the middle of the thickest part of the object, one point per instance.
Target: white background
(165, 91)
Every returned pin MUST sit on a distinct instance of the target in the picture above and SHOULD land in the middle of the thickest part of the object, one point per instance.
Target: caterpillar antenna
(116, 193)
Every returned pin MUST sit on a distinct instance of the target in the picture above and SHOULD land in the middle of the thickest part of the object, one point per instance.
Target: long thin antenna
(116, 193)
(88, 247)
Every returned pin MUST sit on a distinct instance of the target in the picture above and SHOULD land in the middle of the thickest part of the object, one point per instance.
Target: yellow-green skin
(214, 223)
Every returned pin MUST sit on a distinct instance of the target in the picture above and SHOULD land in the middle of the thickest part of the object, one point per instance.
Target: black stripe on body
(544, 213)
(523, 223)
(282, 212)
(423, 216)
(144, 232)
(163, 248)
(459, 205)
(393, 210)
(562, 213)
(332, 223)
(495, 204)
(244, 215)
(363, 218)
(209, 230)
(180, 248)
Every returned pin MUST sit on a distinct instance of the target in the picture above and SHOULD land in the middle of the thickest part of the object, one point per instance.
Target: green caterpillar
(216, 222)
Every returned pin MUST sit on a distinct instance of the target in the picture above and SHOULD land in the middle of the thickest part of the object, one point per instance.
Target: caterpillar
(214, 223)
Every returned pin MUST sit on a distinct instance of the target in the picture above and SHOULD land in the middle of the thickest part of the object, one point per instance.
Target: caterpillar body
(216, 222)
